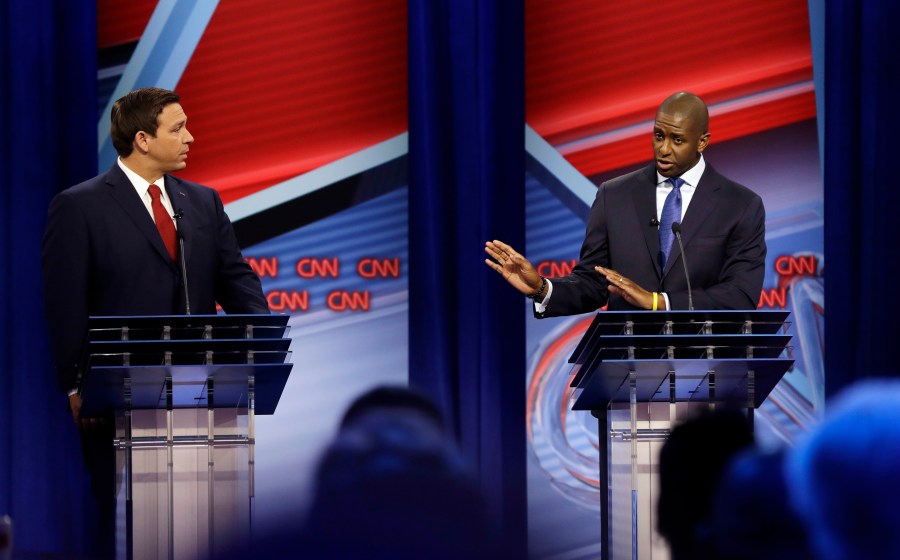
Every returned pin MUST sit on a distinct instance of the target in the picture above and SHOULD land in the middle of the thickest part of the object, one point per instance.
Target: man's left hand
(628, 290)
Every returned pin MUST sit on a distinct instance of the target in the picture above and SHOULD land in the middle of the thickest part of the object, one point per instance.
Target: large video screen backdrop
(596, 73)
(299, 115)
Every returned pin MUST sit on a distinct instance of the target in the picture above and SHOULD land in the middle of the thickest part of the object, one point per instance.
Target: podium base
(180, 493)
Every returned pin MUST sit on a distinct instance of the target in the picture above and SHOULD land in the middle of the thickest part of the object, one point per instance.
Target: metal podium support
(184, 391)
(633, 368)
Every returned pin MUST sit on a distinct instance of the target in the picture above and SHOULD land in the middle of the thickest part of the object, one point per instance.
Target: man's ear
(704, 142)
(142, 142)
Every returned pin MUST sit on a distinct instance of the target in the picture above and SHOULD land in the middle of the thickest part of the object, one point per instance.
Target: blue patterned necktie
(671, 213)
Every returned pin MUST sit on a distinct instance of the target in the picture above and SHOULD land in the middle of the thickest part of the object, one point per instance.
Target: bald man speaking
(630, 258)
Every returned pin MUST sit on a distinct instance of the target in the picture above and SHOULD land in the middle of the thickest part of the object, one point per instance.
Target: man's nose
(188, 137)
(664, 146)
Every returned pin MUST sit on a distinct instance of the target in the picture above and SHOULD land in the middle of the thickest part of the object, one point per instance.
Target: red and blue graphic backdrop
(299, 115)
(595, 74)
(299, 110)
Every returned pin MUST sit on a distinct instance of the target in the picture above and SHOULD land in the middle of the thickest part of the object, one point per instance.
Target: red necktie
(164, 222)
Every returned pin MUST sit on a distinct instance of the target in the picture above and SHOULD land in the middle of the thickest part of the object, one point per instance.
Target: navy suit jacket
(723, 232)
(102, 255)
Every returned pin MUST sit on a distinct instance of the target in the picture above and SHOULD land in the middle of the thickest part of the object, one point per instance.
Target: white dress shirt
(142, 187)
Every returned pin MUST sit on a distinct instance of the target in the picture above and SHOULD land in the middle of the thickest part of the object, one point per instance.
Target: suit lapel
(122, 191)
(181, 204)
(644, 197)
(702, 205)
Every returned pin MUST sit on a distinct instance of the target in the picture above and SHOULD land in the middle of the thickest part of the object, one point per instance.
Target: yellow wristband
(655, 301)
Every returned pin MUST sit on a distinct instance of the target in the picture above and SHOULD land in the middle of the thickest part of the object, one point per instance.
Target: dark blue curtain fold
(466, 146)
(862, 198)
(48, 126)
(466, 175)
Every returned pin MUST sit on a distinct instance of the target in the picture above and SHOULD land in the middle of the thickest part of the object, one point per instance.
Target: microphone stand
(187, 298)
(676, 229)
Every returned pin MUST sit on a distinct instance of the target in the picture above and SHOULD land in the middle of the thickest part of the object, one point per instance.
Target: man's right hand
(75, 406)
(83, 423)
(515, 268)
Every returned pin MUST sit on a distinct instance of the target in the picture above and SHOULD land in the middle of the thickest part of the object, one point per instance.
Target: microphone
(676, 229)
(179, 213)
(654, 222)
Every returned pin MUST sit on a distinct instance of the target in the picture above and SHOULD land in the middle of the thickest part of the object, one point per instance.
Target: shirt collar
(691, 176)
(139, 183)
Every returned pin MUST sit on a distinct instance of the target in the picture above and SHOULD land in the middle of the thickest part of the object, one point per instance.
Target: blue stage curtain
(48, 141)
(862, 191)
(466, 174)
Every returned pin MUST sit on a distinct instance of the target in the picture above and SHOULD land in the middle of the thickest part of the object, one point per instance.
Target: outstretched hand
(515, 268)
(628, 290)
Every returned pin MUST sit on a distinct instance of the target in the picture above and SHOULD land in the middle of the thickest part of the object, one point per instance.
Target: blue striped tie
(671, 212)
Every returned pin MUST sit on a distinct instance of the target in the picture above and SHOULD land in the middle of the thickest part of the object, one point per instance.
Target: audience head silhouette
(751, 516)
(844, 476)
(392, 399)
(393, 485)
(691, 463)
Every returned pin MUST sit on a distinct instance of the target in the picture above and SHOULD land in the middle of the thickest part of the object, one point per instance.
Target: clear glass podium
(184, 391)
(638, 372)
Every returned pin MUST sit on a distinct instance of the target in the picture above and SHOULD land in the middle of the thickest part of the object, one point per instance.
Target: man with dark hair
(628, 259)
(137, 111)
(110, 249)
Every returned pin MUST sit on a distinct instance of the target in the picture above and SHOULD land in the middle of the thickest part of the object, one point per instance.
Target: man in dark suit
(629, 259)
(103, 253)
(110, 248)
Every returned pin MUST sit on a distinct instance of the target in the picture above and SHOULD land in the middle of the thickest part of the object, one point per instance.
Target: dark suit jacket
(102, 255)
(724, 238)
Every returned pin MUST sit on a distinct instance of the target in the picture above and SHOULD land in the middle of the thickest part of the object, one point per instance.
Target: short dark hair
(394, 398)
(136, 111)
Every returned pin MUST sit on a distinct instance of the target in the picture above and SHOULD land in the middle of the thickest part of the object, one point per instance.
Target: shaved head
(687, 106)
(680, 133)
